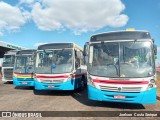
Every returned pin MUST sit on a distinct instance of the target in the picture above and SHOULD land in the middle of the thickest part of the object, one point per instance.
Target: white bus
(7, 65)
(121, 67)
(58, 66)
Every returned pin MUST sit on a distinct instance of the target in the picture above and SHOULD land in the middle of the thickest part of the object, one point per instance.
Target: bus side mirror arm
(155, 49)
(85, 52)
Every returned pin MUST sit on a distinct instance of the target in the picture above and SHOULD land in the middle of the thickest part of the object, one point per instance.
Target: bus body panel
(23, 79)
(68, 85)
(135, 90)
(59, 83)
(145, 97)
(7, 74)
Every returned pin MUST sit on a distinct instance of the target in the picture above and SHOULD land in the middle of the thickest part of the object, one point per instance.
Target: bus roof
(121, 35)
(58, 46)
(11, 52)
(28, 51)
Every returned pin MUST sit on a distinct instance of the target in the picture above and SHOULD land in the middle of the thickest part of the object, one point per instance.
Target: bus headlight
(90, 81)
(69, 77)
(36, 79)
(150, 86)
(152, 81)
(34, 76)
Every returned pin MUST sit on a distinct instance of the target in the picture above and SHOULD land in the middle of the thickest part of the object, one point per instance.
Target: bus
(24, 68)
(121, 67)
(59, 66)
(7, 65)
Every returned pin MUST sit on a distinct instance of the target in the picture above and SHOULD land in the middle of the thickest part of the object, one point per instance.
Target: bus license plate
(24, 83)
(50, 86)
(119, 97)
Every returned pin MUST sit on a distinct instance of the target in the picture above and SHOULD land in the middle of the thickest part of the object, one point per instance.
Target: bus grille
(120, 89)
(8, 73)
(52, 81)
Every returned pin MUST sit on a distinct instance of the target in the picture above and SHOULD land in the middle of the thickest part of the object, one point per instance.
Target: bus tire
(36, 92)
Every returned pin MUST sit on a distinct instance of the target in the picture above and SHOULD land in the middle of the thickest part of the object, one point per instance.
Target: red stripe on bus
(77, 75)
(119, 82)
(42, 76)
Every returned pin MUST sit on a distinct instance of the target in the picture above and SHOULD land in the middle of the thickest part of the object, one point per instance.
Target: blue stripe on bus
(145, 97)
(23, 81)
(69, 85)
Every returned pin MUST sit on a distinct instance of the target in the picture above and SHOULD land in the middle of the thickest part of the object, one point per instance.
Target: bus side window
(82, 59)
(13, 59)
(77, 60)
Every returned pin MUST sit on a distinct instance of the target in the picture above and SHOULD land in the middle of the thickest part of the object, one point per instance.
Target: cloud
(1, 34)
(26, 2)
(49, 15)
(11, 17)
(80, 16)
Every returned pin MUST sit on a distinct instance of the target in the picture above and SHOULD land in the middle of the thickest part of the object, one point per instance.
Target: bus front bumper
(7, 80)
(23, 82)
(145, 97)
(69, 85)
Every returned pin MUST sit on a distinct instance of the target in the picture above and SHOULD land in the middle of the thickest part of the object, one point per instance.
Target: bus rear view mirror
(85, 49)
(155, 49)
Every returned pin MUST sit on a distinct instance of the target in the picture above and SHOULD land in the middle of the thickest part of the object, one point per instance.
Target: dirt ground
(24, 99)
(158, 84)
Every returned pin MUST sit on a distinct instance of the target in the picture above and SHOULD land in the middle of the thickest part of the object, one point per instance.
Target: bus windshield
(24, 64)
(54, 61)
(123, 59)
(8, 61)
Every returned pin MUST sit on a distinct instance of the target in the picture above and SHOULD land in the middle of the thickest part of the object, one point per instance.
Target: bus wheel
(37, 92)
(9, 82)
